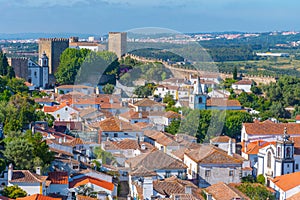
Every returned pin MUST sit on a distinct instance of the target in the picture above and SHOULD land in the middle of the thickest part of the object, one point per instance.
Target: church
(38, 73)
(278, 158)
(199, 100)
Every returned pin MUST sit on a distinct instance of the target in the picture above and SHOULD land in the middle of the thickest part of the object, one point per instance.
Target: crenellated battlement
(54, 39)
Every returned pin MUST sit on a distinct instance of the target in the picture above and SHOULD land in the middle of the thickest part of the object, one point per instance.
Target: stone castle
(53, 47)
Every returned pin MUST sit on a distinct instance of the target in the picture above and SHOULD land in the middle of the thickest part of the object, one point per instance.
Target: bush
(261, 179)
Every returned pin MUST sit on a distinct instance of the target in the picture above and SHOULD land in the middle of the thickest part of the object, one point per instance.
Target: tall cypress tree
(3, 64)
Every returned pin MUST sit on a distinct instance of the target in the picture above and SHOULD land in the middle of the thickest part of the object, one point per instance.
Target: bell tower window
(200, 99)
(288, 152)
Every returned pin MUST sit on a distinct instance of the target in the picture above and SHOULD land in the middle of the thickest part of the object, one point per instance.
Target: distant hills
(21, 36)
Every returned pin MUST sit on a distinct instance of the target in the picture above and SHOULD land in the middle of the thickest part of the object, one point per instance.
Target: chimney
(230, 147)
(140, 115)
(38, 171)
(60, 140)
(10, 172)
(65, 139)
(188, 189)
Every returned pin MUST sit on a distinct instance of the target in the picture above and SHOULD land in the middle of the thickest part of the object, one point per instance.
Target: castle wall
(20, 66)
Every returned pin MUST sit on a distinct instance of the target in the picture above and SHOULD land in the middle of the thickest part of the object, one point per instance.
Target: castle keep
(53, 48)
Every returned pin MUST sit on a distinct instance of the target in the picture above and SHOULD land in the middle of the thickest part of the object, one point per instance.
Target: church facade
(279, 158)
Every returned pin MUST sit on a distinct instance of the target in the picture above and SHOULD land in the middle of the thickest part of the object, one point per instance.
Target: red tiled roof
(297, 117)
(131, 114)
(172, 115)
(222, 191)
(81, 197)
(270, 128)
(254, 147)
(210, 154)
(288, 181)
(243, 82)
(84, 180)
(25, 176)
(114, 124)
(38, 197)
(58, 177)
(223, 102)
(147, 103)
(222, 139)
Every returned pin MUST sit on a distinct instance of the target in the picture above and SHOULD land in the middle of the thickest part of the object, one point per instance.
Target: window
(269, 160)
(125, 133)
(288, 152)
(115, 134)
(200, 99)
(180, 174)
(231, 172)
(35, 74)
(66, 109)
(168, 174)
(278, 151)
(297, 166)
(207, 173)
(288, 165)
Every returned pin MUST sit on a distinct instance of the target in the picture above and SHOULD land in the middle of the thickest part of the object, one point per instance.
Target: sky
(101, 16)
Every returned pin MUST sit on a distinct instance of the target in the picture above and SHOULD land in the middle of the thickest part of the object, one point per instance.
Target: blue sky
(101, 16)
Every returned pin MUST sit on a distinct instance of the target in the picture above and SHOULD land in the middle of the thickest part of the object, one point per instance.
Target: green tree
(234, 75)
(3, 64)
(261, 179)
(20, 153)
(173, 127)
(145, 91)
(256, 191)
(169, 100)
(106, 157)
(70, 62)
(234, 121)
(13, 192)
(108, 88)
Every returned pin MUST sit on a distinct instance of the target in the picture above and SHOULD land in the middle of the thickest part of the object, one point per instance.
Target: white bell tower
(284, 159)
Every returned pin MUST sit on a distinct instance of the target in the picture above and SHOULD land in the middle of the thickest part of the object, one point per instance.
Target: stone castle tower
(117, 43)
(53, 48)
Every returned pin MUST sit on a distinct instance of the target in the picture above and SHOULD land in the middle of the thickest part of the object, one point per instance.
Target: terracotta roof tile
(81, 197)
(155, 160)
(297, 117)
(254, 147)
(58, 177)
(147, 103)
(172, 115)
(243, 82)
(270, 128)
(38, 197)
(25, 176)
(131, 114)
(211, 154)
(222, 102)
(114, 124)
(288, 181)
(142, 172)
(222, 191)
(84, 180)
(171, 186)
(222, 139)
